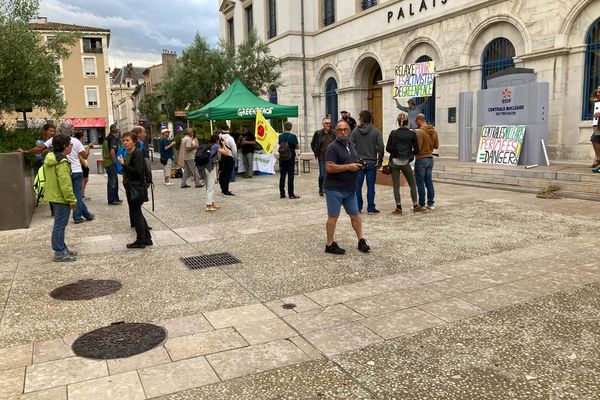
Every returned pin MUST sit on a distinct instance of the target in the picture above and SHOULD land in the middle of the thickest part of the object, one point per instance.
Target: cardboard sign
(596, 110)
(414, 80)
(500, 144)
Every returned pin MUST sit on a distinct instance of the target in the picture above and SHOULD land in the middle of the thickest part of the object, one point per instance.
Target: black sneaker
(136, 245)
(334, 249)
(228, 194)
(321, 193)
(363, 246)
(375, 211)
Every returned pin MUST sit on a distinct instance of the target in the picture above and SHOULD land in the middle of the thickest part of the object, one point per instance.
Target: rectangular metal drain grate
(209, 260)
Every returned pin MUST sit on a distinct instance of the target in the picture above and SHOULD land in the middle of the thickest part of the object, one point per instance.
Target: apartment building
(85, 79)
(124, 83)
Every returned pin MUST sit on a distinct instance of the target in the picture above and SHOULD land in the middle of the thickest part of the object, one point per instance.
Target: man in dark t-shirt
(342, 165)
(248, 147)
(287, 167)
(109, 153)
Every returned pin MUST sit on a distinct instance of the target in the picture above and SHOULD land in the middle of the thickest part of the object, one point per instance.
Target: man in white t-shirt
(189, 144)
(81, 213)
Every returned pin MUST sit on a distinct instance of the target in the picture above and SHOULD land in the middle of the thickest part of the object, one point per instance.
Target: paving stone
(302, 303)
(202, 343)
(57, 393)
(51, 350)
(342, 338)
(314, 320)
(451, 309)
(238, 315)
(330, 296)
(63, 372)
(306, 347)
(277, 307)
(186, 325)
(401, 322)
(11, 382)
(14, 357)
(426, 276)
(431, 292)
(265, 331)
(263, 357)
(544, 284)
(150, 358)
(123, 387)
(177, 376)
(496, 296)
(382, 304)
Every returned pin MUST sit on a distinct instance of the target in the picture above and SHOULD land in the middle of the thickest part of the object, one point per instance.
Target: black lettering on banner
(444, 1)
(410, 10)
(423, 6)
(390, 15)
(401, 13)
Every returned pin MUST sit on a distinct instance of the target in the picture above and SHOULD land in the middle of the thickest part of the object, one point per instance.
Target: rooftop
(42, 24)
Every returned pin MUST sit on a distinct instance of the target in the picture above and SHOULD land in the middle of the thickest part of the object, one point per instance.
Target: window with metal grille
(429, 105)
(331, 99)
(364, 4)
(328, 12)
(591, 76)
(272, 10)
(497, 56)
(230, 31)
(249, 20)
(273, 96)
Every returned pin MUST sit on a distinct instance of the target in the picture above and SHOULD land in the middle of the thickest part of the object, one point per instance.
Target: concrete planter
(17, 202)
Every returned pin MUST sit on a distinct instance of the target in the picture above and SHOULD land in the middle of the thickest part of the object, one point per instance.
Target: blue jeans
(233, 172)
(112, 185)
(81, 210)
(322, 173)
(287, 168)
(423, 171)
(61, 219)
(371, 173)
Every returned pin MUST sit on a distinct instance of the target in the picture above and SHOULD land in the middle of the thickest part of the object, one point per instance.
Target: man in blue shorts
(341, 164)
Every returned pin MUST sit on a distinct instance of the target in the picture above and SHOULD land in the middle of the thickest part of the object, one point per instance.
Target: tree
(202, 73)
(149, 109)
(198, 77)
(29, 75)
(252, 63)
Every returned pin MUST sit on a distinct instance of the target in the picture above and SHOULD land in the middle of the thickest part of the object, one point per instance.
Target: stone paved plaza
(494, 295)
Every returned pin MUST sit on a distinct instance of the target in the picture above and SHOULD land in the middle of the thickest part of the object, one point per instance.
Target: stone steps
(576, 183)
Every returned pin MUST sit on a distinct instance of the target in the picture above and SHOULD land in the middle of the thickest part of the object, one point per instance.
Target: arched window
(497, 56)
(591, 77)
(273, 95)
(331, 99)
(429, 107)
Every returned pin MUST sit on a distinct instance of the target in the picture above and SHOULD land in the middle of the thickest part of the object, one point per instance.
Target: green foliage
(203, 73)
(149, 109)
(252, 63)
(29, 75)
(11, 140)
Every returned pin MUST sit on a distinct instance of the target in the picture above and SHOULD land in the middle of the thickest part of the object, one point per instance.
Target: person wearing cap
(109, 154)
(346, 117)
(165, 145)
(412, 110)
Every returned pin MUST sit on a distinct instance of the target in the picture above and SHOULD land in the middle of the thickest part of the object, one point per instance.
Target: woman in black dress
(134, 169)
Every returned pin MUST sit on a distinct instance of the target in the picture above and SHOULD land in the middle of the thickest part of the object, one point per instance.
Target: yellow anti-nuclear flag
(265, 134)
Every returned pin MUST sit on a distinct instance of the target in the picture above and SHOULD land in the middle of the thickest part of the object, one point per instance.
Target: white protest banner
(500, 144)
(414, 80)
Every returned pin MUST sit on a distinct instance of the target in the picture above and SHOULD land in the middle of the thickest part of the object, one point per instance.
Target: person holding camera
(403, 145)
(369, 146)
(342, 165)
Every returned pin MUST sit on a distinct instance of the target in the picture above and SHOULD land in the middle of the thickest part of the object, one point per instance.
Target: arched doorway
(331, 99)
(375, 96)
(497, 56)
(429, 107)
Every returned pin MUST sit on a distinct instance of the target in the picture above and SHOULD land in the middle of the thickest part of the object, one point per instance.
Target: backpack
(285, 153)
(121, 152)
(202, 157)
(39, 184)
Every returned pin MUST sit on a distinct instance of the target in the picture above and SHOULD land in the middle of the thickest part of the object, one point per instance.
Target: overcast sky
(140, 29)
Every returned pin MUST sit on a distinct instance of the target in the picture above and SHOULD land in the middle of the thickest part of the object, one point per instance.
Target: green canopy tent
(237, 102)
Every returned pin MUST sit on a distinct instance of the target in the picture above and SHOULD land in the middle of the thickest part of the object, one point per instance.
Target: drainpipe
(304, 78)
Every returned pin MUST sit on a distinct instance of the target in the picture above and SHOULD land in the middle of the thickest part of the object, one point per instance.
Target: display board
(500, 144)
(414, 80)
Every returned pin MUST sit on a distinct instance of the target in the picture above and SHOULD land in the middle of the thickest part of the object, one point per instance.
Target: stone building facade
(351, 49)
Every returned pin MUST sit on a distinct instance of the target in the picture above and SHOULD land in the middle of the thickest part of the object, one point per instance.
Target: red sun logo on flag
(261, 131)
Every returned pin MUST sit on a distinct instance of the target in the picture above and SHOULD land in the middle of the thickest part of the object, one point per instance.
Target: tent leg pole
(211, 128)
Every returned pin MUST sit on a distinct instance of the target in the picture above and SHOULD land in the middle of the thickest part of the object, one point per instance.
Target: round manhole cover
(119, 340)
(86, 290)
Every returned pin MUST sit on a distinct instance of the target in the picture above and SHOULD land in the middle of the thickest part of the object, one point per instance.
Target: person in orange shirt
(428, 141)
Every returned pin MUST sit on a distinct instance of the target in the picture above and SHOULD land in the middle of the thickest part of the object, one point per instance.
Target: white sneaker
(430, 208)
(169, 183)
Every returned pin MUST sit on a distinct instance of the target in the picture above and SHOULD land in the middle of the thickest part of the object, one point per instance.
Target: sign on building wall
(500, 144)
(414, 80)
